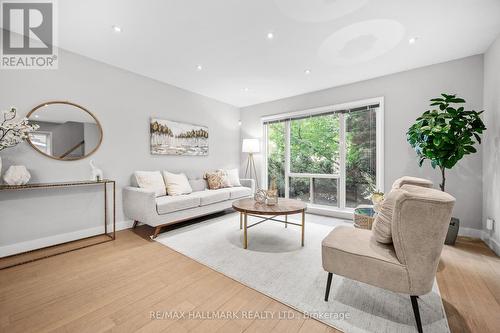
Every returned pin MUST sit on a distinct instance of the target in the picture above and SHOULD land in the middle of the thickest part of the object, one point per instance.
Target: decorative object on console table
(17, 175)
(443, 136)
(13, 132)
(173, 138)
(251, 146)
(97, 173)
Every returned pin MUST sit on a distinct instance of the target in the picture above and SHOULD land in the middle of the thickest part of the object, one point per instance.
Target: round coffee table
(250, 207)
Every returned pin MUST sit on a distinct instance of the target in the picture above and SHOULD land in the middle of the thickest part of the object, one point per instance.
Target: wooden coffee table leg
(286, 220)
(303, 225)
(241, 221)
(245, 241)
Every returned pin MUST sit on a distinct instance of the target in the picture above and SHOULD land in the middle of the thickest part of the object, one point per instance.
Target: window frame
(341, 185)
(48, 135)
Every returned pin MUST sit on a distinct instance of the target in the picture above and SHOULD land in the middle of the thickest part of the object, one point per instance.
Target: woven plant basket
(363, 221)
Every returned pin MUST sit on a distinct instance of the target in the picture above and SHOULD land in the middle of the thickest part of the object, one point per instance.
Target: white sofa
(143, 206)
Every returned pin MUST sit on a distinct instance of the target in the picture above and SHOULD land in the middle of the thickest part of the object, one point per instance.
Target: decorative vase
(272, 197)
(16, 175)
(260, 196)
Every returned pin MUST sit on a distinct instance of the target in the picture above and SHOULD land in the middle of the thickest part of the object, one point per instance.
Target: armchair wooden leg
(416, 312)
(328, 285)
(157, 231)
(135, 224)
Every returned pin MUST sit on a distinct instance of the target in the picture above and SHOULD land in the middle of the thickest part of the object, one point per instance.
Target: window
(329, 157)
(42, 140)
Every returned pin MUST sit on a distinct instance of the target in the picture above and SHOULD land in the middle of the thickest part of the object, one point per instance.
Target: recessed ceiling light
(270, 35)
(246, 89)
(307, 72)
(117, 28)
(239, 122)
(412, 40)
(36, 116)
(199, 67)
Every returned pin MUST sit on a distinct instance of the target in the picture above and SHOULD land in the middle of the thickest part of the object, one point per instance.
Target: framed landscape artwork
(173, 138)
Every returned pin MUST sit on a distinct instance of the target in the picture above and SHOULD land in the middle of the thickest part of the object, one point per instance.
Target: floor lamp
(251, 146)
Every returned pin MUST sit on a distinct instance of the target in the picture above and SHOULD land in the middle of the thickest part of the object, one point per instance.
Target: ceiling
(339, 41)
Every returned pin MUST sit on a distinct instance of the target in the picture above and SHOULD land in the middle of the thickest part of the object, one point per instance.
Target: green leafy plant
(444, 135)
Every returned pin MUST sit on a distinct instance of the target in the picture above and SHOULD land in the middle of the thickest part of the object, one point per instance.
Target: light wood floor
(115, 286)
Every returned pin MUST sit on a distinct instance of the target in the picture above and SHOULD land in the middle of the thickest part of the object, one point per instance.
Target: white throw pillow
(234, 177)
(177, 184)
(151, 180)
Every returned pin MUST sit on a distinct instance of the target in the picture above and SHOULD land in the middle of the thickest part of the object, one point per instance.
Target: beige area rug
(276, 265)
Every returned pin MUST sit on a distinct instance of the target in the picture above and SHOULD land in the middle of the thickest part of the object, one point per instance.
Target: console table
(106, 236)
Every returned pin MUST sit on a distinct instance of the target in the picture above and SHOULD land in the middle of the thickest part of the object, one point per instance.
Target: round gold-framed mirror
(66, 132)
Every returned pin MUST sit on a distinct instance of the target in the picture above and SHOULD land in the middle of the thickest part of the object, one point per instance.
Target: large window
(327, 156)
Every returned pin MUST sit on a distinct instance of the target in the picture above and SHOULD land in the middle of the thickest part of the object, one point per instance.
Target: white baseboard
(483, 235)
(470, 232)
(34, 244)
(491, 242)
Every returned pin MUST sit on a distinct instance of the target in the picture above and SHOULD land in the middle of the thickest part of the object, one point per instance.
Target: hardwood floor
(116, 286)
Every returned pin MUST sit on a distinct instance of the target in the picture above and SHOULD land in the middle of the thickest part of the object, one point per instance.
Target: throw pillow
(151, 180)
(225, 178)
(382, 226)
(177, 184)
(216, 179)
(234, 177)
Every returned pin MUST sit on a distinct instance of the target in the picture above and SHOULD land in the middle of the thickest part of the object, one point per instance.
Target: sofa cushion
(382, 227)
(208, 197)
(352, 253)
(233, 177)
(168, 204)
(217, 179)
(239, 192)
(150, 180)
(177, 184)
(197, 184)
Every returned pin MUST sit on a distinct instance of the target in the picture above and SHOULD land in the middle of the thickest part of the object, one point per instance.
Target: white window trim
(48, 134)
(326, 210)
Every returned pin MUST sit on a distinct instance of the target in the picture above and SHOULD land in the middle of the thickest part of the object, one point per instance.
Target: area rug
(276, 265)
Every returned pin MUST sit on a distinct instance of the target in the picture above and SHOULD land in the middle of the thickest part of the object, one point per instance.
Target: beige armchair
(408, 264)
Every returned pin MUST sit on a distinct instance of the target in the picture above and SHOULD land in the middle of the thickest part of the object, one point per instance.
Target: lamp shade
(250, 146)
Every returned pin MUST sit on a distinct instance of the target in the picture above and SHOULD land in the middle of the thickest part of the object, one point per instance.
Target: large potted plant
(444, 135)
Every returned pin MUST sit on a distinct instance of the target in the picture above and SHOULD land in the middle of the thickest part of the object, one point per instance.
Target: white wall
(123, 103)
(491, 152)
(406, 95)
